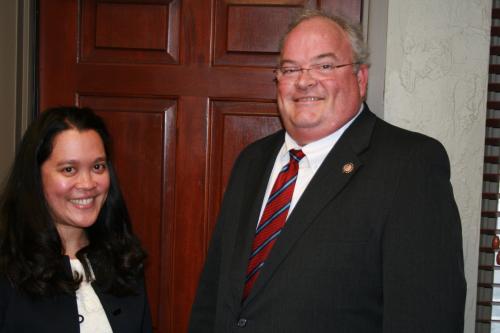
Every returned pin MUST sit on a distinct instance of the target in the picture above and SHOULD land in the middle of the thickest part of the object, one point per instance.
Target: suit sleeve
(423, 272)
(203, 312)
(204, 307)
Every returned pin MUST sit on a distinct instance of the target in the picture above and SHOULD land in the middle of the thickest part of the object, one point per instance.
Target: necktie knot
(296, 154)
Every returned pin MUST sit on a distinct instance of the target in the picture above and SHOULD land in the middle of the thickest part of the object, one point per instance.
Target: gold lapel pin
(348, 168)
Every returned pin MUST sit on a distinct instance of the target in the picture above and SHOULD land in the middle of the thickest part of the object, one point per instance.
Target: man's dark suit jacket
(22, 314)
(378, 249)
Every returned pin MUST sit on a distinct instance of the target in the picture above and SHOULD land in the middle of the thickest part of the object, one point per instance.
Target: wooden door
(183, 85)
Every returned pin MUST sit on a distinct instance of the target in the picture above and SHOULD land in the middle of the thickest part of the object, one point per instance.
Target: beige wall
(436, 83)
(429, 74)
(8, 54)
(16, 59)
(375, 25)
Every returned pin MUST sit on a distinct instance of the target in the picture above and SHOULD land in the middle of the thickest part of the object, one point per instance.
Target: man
(372, 239)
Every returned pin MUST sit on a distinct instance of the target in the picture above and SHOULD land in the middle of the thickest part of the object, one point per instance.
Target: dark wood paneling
(256, 29)
(189, 241)
(131, 26)
(234, 125)
(132, 32)
(193, 80)
(151, 72)
(143, 133)
(352, 9)
(57, 52)
(247, 32)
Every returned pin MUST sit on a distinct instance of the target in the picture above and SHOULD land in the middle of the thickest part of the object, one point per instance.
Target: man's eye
(289, 70)
(325, 67)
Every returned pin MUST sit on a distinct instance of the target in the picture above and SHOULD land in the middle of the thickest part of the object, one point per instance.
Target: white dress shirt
(315, 153)
(91, 314)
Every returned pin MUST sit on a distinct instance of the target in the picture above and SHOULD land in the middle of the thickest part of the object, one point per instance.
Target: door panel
(143, 139)
(247, 33)
(183, 85)
(118, 32)
(234, 125)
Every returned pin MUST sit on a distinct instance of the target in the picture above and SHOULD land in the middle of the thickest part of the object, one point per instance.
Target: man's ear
(362, 77)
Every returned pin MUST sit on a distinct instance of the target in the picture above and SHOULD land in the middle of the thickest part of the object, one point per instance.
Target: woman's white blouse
(91, 314)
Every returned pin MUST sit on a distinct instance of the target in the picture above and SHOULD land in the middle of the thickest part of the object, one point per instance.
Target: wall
(375, 25)
(8, 53)
(436, 83)
(16, 75)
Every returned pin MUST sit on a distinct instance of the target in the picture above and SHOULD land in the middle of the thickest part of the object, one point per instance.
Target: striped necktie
(273, 219)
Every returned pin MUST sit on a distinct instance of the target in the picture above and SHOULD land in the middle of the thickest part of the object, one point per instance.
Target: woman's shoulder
(6, 290)
(5, 283)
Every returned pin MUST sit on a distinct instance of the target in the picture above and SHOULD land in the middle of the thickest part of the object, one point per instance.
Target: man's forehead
(329, 56)
(314, 39)
(316, 25)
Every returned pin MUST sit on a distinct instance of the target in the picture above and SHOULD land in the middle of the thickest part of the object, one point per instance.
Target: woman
(65, 232)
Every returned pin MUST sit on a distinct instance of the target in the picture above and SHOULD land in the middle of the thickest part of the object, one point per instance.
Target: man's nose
(305, 79)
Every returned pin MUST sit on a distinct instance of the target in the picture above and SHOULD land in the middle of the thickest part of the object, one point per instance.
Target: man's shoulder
(385, 139)
(402, 143)
(400, 137)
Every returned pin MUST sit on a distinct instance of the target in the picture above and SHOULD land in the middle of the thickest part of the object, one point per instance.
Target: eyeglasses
(288, 74)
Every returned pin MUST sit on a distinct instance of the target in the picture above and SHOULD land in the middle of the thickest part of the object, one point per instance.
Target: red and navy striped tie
(273, 219)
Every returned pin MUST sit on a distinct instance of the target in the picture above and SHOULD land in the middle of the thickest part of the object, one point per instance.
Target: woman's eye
(100, 167)
(68, 170)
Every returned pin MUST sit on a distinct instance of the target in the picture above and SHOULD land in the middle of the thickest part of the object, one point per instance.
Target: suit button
(242, 322)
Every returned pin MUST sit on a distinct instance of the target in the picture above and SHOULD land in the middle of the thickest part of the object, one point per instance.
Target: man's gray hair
(353, 30)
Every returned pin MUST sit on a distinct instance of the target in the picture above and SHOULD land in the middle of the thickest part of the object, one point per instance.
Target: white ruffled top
(91, 314)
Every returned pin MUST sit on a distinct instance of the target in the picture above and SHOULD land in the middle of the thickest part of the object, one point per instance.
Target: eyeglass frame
(277, 70)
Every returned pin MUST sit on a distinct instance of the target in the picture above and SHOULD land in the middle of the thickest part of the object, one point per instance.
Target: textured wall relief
(436, 84)
(428, 59)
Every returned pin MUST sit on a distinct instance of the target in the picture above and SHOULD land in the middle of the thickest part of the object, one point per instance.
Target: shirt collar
(315, 151)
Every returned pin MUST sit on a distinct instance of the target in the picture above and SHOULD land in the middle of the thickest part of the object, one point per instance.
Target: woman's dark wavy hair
(31, 253)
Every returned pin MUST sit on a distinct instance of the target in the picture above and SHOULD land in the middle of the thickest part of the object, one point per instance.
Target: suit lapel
(328, 182)
(257, 177)
(112, 308)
